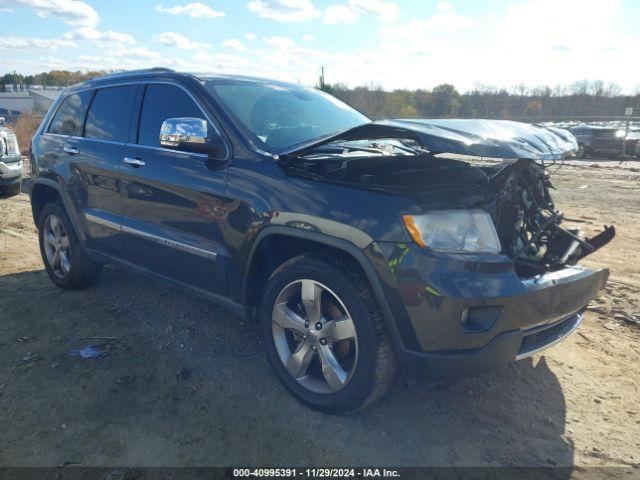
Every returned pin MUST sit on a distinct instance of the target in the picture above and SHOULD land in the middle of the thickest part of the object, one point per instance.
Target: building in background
(14, 104)
(43, 99)
(17, 100)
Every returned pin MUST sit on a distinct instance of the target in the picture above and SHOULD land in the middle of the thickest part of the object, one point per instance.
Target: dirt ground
(181, 382)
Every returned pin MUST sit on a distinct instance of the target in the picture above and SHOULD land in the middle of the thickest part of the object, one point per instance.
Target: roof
(152, 72)
(128, 74)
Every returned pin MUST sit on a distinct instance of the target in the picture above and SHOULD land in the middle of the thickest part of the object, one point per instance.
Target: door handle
(70, 149)
(136, 162)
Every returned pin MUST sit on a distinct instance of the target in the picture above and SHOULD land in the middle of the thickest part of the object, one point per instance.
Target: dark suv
(357, 246)
(596, 140)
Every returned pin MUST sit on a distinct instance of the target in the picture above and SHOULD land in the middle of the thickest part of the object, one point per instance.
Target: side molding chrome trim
(170, 243)
(149, 236)
(101, 221)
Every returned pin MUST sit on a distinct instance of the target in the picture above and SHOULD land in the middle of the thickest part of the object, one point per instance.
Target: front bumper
(504, 348)
(10, 172)
(518, 318)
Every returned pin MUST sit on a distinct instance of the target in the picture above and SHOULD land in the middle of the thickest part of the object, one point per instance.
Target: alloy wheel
(314, 336)
(57, 246)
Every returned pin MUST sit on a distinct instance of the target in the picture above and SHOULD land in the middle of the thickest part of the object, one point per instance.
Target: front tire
(65, 259)
(324, 334)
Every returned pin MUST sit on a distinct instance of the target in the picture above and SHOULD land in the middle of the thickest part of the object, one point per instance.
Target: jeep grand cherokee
(361, 248)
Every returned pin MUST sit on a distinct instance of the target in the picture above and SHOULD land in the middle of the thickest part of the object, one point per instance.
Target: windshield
(278, 116)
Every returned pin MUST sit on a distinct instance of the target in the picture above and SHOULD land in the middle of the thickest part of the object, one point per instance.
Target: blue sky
(390, 43)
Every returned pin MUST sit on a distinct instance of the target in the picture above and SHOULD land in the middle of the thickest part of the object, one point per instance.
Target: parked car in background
(10, 161)
(596, 140)
(360, 251)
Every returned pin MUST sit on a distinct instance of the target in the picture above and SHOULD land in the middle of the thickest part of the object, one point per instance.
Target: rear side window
(162, 102)
(109, 115)
(69, 118)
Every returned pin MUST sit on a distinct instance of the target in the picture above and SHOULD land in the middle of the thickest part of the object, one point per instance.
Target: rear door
(170, 198)
(96, 163)
(86, 171)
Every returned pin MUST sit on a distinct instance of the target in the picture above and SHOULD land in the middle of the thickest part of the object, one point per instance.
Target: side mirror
(189, 135)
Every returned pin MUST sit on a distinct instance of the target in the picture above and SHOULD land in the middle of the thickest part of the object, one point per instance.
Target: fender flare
(345, 246)
(71, 212)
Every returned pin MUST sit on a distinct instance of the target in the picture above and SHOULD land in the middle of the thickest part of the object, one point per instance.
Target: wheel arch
(44, 191)
(41, 193)
(255, 277)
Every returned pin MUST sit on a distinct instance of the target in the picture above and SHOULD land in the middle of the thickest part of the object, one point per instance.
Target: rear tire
(65, 259)
(366, 363)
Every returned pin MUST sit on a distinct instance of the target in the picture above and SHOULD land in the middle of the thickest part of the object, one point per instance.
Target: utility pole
(321, 78)
(628, 112)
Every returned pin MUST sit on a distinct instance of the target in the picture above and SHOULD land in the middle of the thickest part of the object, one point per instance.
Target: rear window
(109, 115)
(69, 118)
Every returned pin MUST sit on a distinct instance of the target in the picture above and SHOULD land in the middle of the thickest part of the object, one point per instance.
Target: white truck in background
(10, 161)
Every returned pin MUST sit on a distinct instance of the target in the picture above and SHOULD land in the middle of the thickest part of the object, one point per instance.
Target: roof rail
(135, 72)
(125, 74)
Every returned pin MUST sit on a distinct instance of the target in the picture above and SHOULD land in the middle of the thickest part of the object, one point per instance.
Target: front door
(170, 199)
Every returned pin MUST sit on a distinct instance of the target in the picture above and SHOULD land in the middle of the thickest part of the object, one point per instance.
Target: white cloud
(235, 44)
(515, 44)
(308, 38)
(285, 59)
(173, 39)
(447, 22)
(351, 11)
(193, 10)
(284, 10)
(444, 7)
(340, 15)
(73, 12)
(127, 59)
(31, 42)
(109, 36)
(383, 10)
(279, 42)
(250, 36)
(205, 62)
(138, 53)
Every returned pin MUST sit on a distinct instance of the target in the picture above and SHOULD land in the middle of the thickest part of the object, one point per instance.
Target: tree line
(583, 99)
(54, 78)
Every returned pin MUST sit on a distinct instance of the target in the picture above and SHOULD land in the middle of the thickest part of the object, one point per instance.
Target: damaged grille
(529, 225)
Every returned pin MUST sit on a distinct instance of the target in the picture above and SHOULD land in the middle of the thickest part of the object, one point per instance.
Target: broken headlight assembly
(454, 231)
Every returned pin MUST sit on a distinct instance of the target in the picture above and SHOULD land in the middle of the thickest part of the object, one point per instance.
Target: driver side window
(160, 103)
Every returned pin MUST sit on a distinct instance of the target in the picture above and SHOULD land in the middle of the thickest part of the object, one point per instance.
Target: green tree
(445, 101)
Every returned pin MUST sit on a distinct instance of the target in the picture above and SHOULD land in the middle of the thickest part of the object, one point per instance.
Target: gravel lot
(181, 382)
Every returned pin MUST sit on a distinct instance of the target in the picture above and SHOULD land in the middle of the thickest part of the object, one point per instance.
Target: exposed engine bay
(516, 194)
(529, 225)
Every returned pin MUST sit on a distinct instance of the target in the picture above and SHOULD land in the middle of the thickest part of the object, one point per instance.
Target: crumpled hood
(481, 138)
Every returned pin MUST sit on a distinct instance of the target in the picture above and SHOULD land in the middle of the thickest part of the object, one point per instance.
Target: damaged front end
(529, 225)
(403, 157)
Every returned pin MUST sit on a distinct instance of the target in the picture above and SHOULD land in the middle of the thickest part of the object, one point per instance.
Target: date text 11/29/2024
(315, 472)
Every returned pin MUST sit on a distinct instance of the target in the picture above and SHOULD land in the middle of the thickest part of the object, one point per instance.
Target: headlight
(455, 231)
